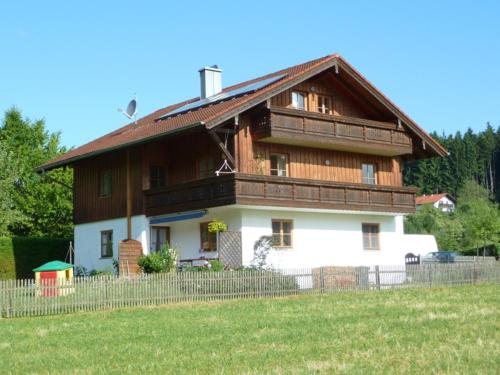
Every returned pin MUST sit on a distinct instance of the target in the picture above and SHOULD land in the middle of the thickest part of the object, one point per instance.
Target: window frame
(282, 234)
(163, 182)
(157, 228)
(108, 244)
(375, 173)
(369, 234)
(278, 155)
(103, 174)
(329, 107)
(304, 95)
(211, 238)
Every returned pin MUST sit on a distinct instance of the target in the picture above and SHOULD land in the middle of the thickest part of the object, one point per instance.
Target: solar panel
(223, 96)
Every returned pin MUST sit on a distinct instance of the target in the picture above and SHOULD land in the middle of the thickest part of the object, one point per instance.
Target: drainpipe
(129, 198)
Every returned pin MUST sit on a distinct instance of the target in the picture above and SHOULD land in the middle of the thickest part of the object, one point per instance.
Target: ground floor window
(208, 241)
(371, 236)
(106, 244)
(282, 233)
(160, 236)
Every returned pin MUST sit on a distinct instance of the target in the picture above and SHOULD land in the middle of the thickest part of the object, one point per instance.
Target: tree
(479, 215)
(45, 205)
(8, 177)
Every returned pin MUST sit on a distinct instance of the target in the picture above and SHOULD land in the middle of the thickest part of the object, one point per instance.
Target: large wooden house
(311, 155)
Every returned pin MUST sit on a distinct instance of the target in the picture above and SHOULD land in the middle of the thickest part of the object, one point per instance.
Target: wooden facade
(324, 152)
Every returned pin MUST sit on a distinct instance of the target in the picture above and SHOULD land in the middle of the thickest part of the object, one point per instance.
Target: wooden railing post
(377, 277)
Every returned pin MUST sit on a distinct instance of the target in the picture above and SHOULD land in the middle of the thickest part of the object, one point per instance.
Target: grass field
(445, 330)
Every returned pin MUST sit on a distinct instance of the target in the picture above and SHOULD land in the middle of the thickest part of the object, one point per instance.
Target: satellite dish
(131, 109)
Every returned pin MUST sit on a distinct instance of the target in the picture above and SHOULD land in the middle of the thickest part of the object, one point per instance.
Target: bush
(163, 261)
(19, 255)
(238, 283)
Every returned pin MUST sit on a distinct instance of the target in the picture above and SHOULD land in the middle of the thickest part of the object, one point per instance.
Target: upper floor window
(105, 180)
(106, 244)
(369, 174)
(157, 176)
(208, 239)
(279, 165)
(282, 233)
(371, 236)
(324, 104)
(298, 100)
(206, 167)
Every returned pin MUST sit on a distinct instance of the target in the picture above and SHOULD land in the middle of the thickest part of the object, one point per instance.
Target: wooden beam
(223, 148)
(225, 131)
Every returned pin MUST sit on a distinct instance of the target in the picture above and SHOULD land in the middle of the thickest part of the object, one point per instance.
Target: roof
(151, 126)
(55, 265)
(433, 198)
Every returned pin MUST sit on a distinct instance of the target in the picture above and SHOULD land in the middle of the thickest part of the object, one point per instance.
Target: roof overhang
(62, 163)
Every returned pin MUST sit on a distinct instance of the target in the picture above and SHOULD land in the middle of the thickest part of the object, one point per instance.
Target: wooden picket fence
(20, 298)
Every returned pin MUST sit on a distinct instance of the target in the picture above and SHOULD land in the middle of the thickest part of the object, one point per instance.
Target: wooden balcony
(258, 190)
(311, 129)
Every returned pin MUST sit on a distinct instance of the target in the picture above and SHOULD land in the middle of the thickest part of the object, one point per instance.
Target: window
(324, 104)
(282, 233)
(105, 183)
(157, 176)
(160, 236)
(208, 240)
(370, 236)
(206, 167)
(298, 100)
(107, 244)
(279, 165)
(369, 174)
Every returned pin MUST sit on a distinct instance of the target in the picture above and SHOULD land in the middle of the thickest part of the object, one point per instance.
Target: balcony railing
(297, 127)
(259, 190)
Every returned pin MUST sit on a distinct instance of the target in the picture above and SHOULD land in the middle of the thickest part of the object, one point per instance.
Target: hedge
(19, 255)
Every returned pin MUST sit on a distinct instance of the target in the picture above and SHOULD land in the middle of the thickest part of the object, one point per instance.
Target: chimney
(210, 81)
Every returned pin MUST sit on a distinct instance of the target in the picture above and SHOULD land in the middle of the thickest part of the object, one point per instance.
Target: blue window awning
(179, 216)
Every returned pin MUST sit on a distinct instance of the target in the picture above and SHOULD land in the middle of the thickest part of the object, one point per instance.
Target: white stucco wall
(324, 238)
(320, 237)
(446, 201)
(88, 240)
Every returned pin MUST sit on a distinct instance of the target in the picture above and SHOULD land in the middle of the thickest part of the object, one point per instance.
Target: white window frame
(371, 239)
(366, 179)
(295, 100)
(282, 234)
(108, 243)
(279, 171)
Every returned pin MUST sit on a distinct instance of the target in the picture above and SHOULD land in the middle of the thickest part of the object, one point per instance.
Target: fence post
(9, 307)
(430, 274)
(322, 279)
(377, 277)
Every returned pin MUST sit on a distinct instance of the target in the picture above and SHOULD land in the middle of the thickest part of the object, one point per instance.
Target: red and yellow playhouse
(54, 279)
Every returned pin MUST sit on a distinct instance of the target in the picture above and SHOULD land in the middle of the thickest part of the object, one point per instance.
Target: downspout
(129, 198)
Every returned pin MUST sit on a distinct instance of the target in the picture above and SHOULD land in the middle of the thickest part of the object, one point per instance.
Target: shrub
(216, 265)
(102, 272)
(244, 282)
(163, 261)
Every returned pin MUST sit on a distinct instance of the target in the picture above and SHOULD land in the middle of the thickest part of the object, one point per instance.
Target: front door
(160, 236)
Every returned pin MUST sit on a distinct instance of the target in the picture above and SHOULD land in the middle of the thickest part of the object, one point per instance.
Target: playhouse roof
(55, 265)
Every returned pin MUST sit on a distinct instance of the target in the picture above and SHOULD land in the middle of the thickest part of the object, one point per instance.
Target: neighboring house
(443, 201)
(316, 153)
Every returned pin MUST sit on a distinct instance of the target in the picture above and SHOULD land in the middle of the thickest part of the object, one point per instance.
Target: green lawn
(445, 330)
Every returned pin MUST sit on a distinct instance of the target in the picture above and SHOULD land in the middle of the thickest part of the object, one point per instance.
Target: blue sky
(73, 63)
